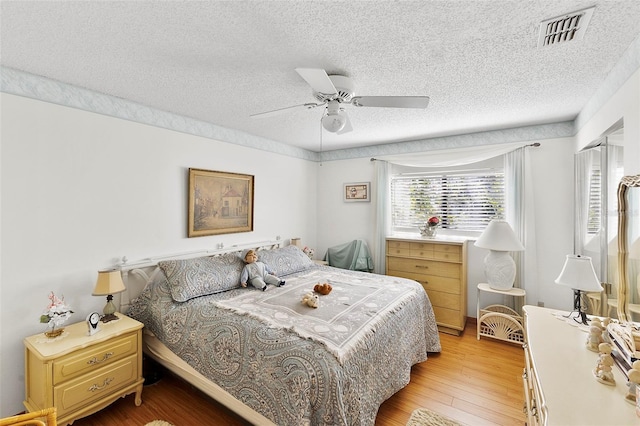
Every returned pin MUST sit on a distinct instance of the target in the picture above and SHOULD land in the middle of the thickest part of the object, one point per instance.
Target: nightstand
(499, 321)
(81, 374)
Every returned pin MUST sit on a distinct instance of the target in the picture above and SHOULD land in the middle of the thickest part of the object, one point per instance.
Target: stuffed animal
(324, 288)
(310, 300)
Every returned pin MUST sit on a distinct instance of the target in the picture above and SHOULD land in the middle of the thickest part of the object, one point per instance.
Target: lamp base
(109, 317)
(500, 270)
(579, 310)
(109, 310)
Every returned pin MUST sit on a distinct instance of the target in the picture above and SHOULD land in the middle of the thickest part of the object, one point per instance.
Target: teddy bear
(324, 288)
(310, 300)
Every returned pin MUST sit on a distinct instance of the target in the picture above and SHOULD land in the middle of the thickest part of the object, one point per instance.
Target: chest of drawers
(440, 266)
(81, 374)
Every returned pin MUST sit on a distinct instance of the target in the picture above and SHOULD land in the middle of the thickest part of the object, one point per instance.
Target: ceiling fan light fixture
(334, 122)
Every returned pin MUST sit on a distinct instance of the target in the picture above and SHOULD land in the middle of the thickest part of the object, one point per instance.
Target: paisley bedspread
(333, 365)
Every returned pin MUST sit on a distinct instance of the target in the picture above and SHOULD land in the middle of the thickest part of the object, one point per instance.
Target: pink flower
(433, 221)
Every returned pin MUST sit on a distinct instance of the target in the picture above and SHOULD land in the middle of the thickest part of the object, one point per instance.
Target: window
(464, 200)
(595, 201)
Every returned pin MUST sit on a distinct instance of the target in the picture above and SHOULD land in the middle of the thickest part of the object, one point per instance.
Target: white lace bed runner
(345, 317)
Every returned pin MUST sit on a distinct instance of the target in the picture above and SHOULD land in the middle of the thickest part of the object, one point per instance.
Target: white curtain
(383, 227)
(451, 157)
(520, 215)
(583, 166)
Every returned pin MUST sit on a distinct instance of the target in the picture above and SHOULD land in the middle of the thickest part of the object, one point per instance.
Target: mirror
(628, 247)
(598, 169)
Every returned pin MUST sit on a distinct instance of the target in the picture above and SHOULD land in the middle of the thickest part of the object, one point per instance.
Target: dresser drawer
(92, 387)
(426, 267)
(447, 252)
(444, 300)
(449, 317)
(94, 357)
(398, 248)
(422, 250)
(431, 282)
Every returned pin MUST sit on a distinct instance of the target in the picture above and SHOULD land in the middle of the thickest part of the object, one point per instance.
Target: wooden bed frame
(135, 276)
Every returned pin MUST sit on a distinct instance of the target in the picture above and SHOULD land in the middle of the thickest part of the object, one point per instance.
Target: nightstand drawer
(94, 357)
(84, 390)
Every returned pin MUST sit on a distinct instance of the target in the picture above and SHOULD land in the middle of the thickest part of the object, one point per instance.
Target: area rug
(158, 423)
(424, 417)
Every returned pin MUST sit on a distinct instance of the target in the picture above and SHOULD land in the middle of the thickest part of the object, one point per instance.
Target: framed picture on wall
(358, 191)
(219, 203)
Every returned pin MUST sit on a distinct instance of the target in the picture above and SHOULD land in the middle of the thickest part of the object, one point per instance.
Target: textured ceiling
(220, 61)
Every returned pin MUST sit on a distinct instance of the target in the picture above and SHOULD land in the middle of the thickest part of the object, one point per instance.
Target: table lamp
(578, 273)
(499, 267)
(109, 283)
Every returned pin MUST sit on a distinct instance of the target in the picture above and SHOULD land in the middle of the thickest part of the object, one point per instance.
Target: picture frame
(357, 192)
(219, 203)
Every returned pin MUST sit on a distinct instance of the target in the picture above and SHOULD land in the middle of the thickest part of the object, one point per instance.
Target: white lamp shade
(578, 273)
(499, 236)
(109, 282)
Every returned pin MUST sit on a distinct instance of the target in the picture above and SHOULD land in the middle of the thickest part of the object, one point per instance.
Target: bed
(271, 358)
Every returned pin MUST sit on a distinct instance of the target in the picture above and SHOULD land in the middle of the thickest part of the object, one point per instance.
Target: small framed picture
(358, 191)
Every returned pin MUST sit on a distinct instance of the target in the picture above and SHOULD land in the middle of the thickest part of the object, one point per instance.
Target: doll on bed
(257, 273)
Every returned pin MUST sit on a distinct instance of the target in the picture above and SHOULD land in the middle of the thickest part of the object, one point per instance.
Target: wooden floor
(474, 382)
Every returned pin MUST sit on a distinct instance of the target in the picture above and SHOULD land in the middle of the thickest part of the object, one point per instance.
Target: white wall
(80, 190)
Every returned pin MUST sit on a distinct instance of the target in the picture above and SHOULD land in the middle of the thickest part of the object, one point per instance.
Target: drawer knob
(95, 387)
(95, 360)
(422, 267)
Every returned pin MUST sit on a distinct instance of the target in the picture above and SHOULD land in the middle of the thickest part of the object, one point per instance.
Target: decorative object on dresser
(93, 321)
(440, 266)
(109, 283)
(578, 274)
(604, 371)
(82, 374)
(55, 315)
(219, 203)
(430, 228)
(499, 267)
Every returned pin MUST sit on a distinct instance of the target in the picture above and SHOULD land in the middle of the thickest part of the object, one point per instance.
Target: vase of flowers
(55, 315)
(430, 228)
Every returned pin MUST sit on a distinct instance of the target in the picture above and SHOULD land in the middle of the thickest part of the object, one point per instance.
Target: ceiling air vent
(564, 28)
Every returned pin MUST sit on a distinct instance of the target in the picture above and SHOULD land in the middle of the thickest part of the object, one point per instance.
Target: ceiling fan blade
(283, 110)
(347, 126)
(318, 80)
(391, 101)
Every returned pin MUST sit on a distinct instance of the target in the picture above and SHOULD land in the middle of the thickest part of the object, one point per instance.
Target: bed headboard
(136, 274)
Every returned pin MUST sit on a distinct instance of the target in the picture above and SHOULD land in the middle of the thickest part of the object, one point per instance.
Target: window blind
(463, 200)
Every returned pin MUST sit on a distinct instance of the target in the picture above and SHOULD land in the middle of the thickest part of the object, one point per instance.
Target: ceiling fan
(336, 91)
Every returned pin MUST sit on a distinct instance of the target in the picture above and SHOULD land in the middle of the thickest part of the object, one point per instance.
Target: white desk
(559, 381)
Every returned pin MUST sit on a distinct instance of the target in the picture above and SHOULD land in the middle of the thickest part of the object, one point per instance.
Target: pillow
(285, 260)
(201, 276)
